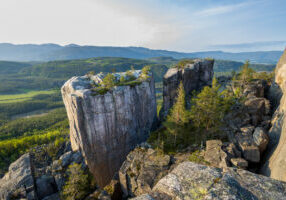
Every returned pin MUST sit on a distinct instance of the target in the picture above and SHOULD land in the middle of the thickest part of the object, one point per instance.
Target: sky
(179, 25)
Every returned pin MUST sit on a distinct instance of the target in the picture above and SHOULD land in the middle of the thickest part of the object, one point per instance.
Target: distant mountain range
(49, 52)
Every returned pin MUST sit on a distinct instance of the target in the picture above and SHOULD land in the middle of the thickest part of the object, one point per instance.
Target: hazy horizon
(181, 25)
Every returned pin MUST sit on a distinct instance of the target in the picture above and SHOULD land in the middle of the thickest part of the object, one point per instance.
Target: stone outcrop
(18, 182)
(194, 181)
(248, 122)
(106, 127)
(275, 165)
(35, 176)
(141, 170)
(194, 77)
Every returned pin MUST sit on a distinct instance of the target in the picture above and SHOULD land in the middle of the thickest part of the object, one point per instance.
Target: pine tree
(246, 73)
(209, 107)
(108, 81)
(178, 116)
(78, 184)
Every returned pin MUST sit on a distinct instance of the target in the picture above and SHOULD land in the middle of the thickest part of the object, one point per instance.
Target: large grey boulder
(194, 77)
(141, 170)
(46, 186)
(194, 181)
(275, 165)
(18, 182)
(260, 138)
(214, 154)
(105, 128)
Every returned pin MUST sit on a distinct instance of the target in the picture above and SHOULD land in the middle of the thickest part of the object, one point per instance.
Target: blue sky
(181, 25)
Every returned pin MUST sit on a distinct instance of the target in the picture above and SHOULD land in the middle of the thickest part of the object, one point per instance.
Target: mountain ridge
(50, 52)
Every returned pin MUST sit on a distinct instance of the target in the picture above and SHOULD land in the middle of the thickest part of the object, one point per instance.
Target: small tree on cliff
(209, 108)
(78, 184)
(108, 81)
(178, 117)
(246, 73)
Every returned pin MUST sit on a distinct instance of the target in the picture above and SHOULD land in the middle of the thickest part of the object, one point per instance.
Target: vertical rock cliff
(194, 76)
(106, 127)
(275, 165)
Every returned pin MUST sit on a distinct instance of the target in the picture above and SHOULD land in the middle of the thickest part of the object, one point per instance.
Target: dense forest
(19, 77)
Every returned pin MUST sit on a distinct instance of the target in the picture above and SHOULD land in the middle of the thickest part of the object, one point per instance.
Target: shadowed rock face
(107, 127)
(194, 77)
(275, 165)
(19, 180)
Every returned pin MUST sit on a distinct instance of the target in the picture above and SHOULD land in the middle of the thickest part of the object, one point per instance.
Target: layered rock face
(148, 175)
(105, 128)
(35, 176)
(194, 77)
(275, 165)
(194, 181)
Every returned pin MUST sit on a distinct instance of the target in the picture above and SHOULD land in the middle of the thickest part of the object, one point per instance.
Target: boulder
(239, 163)
(65, 159)
(193, 181)
(255, 89)
(46, 186)
(141, 170)
(194, 77)
(251, 153)
(260, 138)
(106, 127)
(249, 149)
(257, 108)
(55, 196)
(19, 181)
(215, 155)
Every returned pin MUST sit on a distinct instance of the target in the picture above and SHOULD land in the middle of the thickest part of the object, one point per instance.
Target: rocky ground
(35, 175)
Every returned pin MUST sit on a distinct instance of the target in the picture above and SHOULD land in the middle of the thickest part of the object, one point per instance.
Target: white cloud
(219, 10)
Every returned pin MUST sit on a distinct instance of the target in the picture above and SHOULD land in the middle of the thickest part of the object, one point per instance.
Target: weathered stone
(107, 127)
(239, 163)
(141, 170)
(55, 196)
(248, 130)
(275, 165)
(214, 154)
(257, 108)
(260, 138)
(46, 186)
(193, 181)
(18, 182)
(255, 89)
(251, 153)
(247, 146)
(232, 151)
(65, 159)
(194, 77)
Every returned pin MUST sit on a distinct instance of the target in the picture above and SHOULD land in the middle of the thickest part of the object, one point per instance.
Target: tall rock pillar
(106, 127)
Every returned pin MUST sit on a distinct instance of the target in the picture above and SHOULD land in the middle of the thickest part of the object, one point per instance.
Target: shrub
(196, 157)
(246, 73)
(130, 75)
(108, 81)
(209, 108)
(145, 72)
(182, 63)
(78, 184)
